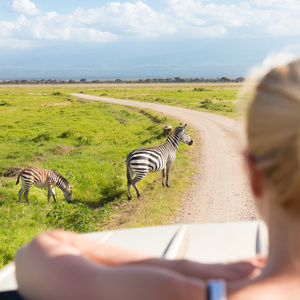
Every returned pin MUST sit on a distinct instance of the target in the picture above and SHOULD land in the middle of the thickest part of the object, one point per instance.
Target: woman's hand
(227, 271)
(237, 270)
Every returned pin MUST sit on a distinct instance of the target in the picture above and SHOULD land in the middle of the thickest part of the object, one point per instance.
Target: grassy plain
(213, 97)
(210, 97)
(87, 143)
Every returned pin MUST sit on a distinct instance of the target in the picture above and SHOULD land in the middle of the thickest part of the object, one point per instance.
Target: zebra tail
(20, 173)
(128, 174)
(128, 157)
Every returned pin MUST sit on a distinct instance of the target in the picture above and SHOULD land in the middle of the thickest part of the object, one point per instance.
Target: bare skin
(90, 269)
(279, 278)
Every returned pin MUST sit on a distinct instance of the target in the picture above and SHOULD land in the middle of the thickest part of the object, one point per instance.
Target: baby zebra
(43, 178)
(153, 159)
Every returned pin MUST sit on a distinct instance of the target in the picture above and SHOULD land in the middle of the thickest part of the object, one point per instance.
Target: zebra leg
(163, 176)
(48, 194)
(26, 195)
(129, 174)
(135, 180)
(53, 194)
(25, 187)
(169, 165)
(20, 193)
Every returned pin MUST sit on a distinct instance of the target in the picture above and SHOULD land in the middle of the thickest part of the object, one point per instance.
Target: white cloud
(6, 28)
(273, 17)
(24, 7)
(204, 17)
(252, 17)
(127, 19)
(178, 18)
(105, 24)
(51, 26)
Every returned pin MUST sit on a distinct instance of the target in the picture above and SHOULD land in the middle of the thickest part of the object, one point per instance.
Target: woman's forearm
(64, 265)
(60, 243)
(114, 256)
(57, 266)
(226, 271)
(100, 252)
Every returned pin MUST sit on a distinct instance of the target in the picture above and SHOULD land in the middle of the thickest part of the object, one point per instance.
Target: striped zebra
(153, 159)
(43, 178)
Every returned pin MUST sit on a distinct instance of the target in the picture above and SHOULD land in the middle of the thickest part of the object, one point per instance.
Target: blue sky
(42, 39)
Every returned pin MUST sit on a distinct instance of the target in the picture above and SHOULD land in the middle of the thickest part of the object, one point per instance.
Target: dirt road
(220, 192)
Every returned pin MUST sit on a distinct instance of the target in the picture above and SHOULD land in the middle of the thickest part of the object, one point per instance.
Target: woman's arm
(59, 260)
(227, 271)
(112, 256)
(61, 265)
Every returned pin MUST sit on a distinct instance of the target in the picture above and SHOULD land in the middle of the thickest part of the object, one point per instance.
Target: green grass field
(87, 143)
(218, 98)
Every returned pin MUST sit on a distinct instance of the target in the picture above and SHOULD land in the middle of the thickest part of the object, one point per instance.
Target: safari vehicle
(207, 243)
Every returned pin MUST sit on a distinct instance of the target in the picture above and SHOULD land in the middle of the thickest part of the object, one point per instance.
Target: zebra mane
(60, 176)
(172, 131)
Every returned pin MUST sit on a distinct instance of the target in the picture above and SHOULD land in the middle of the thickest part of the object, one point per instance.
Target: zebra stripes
(43, 178)
(153, 159)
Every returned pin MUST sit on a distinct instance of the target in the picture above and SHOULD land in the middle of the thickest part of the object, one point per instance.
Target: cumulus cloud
(127, 18)
(248, 18)
(178, 18)
(202, 19)
(51, 26)
(6, 28)
(24, 7)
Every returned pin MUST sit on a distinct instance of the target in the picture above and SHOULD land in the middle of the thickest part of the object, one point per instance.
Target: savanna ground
(87, 142)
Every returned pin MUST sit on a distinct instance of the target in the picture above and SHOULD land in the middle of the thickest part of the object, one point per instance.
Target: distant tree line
(148, 80)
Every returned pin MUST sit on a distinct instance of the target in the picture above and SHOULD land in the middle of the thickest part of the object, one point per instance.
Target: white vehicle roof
(207, 243)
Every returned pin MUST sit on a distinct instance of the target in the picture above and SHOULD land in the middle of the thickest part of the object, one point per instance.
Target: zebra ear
(181, 128)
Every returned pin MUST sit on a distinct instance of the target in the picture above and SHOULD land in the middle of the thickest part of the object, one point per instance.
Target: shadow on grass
(115, 195)
(2, 202)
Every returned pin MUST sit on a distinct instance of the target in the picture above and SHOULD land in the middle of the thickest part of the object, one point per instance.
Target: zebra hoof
(167, 185)
(128, 197)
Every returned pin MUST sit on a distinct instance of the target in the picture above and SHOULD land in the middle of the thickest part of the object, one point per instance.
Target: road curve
(220, 192)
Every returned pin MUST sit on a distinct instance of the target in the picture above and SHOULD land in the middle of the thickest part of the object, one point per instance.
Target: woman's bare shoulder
(271, 288)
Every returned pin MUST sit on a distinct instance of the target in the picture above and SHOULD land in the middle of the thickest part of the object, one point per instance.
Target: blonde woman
(61, 265)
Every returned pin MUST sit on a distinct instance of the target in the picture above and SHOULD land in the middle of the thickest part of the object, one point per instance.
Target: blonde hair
(273, 130)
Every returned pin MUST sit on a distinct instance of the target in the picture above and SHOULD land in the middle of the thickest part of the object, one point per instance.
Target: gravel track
(220, 192)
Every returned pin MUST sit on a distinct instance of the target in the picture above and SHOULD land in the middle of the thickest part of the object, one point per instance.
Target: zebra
(43, 178)
(153, 159)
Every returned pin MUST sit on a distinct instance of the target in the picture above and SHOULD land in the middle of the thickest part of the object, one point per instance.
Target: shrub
(42, 137)
(217, 106)
(201, 90)
(66, 134)
(4, 103)
(77, 217)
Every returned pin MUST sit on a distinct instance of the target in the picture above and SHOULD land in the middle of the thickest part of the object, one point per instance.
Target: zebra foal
(43, 178)
(153, 159)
